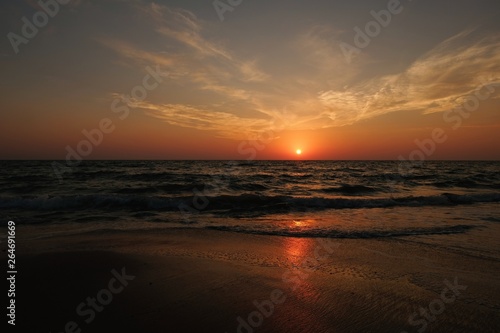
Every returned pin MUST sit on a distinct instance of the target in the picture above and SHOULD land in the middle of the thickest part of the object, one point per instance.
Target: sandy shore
(210, 281)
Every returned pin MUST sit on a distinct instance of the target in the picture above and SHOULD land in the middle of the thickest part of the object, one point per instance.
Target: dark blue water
(302, 198)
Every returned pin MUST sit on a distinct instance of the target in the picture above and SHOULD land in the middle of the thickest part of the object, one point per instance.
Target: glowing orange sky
(266, 81)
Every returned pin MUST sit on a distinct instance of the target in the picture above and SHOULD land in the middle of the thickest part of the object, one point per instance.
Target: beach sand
(180, 280)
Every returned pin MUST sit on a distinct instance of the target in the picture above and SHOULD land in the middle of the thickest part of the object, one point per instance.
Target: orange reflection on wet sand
(296, 249)
(299, 286)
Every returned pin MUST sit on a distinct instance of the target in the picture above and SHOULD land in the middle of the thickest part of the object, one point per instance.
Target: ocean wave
(466, 183)
(251, 203)
(332, 233)
(350, 189)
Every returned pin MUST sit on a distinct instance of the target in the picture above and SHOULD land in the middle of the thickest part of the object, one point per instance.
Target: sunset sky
(285, 74)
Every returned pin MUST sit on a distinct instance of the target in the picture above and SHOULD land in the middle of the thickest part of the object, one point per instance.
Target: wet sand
(211, 281)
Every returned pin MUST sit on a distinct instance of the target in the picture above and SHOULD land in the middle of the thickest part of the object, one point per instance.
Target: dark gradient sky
(272, 77)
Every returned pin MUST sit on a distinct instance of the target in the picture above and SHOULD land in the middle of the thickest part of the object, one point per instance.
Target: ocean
(350, 245)
(340, 199)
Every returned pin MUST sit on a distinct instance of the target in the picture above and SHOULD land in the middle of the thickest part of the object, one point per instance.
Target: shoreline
(204, 280)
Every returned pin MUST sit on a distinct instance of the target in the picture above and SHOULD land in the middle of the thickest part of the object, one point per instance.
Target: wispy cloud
(184, 27)
(224, 124)
(320, 92)
(436, 82)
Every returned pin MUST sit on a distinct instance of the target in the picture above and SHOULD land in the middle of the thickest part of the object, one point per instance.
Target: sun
(298, 151)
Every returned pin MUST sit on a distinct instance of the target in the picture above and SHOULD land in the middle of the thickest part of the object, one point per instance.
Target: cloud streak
(436, 82)
(320, 93)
